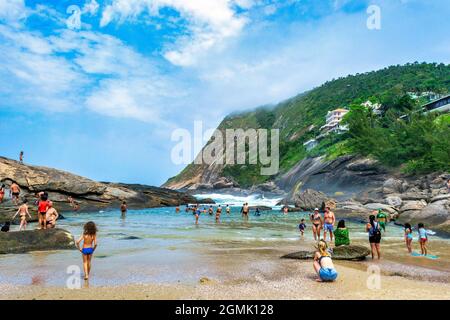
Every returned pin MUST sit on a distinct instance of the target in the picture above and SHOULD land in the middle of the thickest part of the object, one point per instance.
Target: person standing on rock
(329, 221)
(373, 228)
(382, 219)
(14, 192)
(2, 192)
(23, 212)
(317, 222)
(43, 206)
(21, 157)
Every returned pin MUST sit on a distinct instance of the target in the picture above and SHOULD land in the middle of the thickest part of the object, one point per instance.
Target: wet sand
(249, 273)
(288, 280)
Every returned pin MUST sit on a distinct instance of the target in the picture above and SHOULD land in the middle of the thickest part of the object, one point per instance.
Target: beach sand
(296, 282)
(263, 279)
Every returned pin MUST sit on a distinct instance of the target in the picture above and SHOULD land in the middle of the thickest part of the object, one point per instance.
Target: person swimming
(89, 238)
(228, 209)
(323, 265)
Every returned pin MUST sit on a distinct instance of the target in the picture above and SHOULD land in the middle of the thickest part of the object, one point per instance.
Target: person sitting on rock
(52, 216)
(341, 234)
(323, 264)
(6, 226)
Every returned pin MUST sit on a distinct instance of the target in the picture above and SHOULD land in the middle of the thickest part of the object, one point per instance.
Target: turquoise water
(160, 245)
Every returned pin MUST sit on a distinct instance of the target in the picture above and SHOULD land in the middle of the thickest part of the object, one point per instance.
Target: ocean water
(160, 245)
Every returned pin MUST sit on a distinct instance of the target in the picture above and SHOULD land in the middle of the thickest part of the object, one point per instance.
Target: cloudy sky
(97, 87)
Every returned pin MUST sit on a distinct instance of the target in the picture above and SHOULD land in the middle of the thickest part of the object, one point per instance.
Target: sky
(98, 87)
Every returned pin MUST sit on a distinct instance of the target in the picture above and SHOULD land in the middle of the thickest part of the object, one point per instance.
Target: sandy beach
(288, 280)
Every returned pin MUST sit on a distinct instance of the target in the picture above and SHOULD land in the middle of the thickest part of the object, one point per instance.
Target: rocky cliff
(89, 194)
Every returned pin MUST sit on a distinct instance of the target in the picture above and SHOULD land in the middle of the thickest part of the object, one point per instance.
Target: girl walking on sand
(89, 238)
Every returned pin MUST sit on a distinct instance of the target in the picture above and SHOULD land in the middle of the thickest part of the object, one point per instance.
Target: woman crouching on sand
(89, 238)
(323, 264)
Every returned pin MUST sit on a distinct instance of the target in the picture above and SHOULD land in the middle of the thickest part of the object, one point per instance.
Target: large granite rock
(91, 195)
(35, 240)
(350, 252)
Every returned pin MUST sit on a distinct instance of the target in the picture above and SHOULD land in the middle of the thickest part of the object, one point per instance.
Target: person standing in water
(317, 223)
(89, 238)
(329, 221)
(14, 192)
(285, 210)
(23, 212)
(228, 209)
(408, 237)
(302, 227)
(21, 157)
(124, 208)
(210, 210)
(218, 213)
(197, 213)
(2, 192)
(373, 228)
(423, 238)
(244, 211)
(323, 265)
(382, 219)
(177, 209)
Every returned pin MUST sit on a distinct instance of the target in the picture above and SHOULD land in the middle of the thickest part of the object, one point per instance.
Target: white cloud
(13, 11)
(210, 23)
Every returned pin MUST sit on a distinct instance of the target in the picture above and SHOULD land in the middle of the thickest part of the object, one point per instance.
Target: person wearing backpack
(373, 228)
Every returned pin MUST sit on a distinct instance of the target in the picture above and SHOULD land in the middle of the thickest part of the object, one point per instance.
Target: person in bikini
(210, 210)
(89, 238)
(317, 223)
(323, 265)
(43, 206)
(14, 192)
(51, 216)
(329, 221)
(2, 192)
(218, 213)
(228, 209)
(23, 212)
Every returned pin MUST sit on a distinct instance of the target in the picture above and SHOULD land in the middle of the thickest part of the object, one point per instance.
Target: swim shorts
(328, 227)
(327, 274)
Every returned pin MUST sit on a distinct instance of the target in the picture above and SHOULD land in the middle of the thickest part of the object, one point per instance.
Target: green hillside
(300, 118)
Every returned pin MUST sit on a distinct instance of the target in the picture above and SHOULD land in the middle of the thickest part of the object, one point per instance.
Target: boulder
(413, 205)
(393, 185)
(90, 195)
(436, 213)
(350, 252)
(261, 208)
(352, 209)
(440, 197)
(384, 207)
(35, 240)
(310, 199)
(393, 200)
(330, 203)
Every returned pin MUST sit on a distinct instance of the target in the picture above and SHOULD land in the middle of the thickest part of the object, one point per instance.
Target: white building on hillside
(333, 120)
(376, 107)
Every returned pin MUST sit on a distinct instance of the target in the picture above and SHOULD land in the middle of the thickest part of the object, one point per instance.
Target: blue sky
(102, 100)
